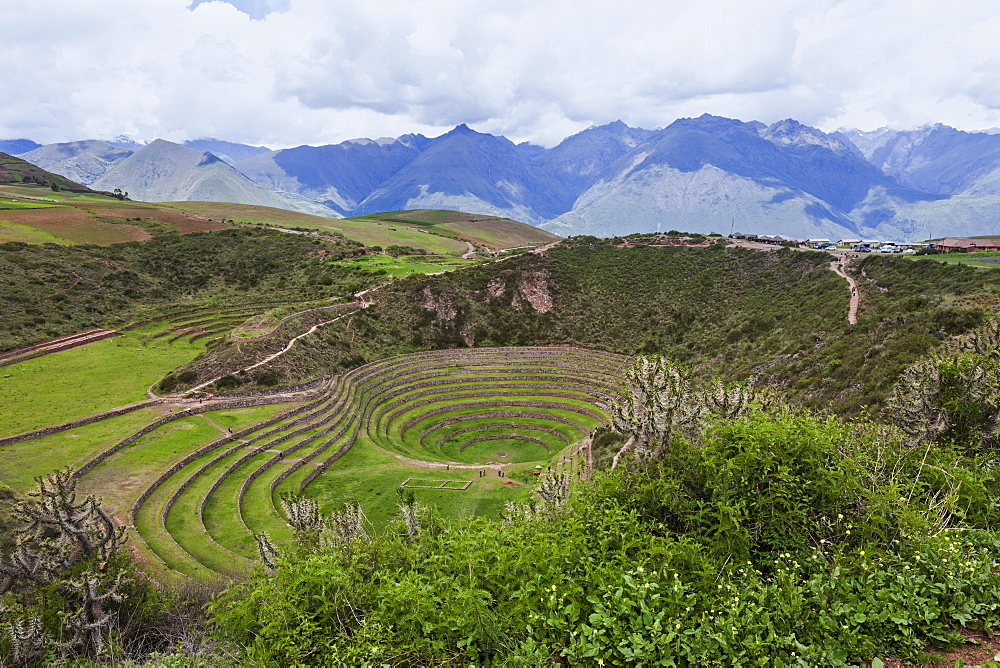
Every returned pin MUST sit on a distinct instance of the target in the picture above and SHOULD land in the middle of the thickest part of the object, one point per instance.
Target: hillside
(33, 213)
(488, 231)
(275, 419)
(89, 286)
(776, 317)
(432, 230)
(17, 171)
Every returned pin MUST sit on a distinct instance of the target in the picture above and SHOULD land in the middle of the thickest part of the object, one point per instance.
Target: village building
(967, 245)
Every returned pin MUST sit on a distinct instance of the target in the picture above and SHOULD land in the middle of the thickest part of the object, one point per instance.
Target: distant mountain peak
(463, 129)
(790, 132)
(127, 141)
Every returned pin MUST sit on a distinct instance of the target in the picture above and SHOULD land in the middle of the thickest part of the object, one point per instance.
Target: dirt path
(222, 430)
(469, 250)
(852, 312)
(542, 249)
(277, 354)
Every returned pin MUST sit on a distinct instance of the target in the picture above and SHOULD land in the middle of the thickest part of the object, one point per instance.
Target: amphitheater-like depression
(467, 424)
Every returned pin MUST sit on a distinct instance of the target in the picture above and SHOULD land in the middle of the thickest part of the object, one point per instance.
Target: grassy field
(370, 477)
(478, 228)
(121, 477)
(398, 267)
(366, 232)
(21, 463)
(87, 218)
(989, 260)
(25, 233)
(81, 381)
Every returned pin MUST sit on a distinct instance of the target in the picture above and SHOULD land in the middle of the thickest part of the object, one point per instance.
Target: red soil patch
(510, 484)
(180, 221)
(76, 225)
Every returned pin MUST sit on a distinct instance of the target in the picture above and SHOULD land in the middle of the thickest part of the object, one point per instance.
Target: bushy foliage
(91, 286)
(953, 396)
(776, 537)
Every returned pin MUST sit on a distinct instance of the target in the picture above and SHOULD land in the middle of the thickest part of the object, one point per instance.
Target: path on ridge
(277, 354)
(852, 311)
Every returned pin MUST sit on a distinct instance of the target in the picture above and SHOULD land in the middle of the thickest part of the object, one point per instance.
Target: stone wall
(79, 423)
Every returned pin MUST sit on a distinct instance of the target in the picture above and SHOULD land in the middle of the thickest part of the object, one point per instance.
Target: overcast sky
(287, 72)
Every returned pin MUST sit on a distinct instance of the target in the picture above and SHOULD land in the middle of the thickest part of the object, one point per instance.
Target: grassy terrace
(92, 378)
(398, 267)
(195, 493)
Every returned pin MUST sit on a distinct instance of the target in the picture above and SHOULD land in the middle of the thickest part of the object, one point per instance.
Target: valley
(241, 369)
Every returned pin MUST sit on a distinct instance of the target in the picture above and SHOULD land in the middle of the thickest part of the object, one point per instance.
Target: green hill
(17, 171)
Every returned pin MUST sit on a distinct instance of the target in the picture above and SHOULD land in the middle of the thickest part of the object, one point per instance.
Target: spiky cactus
(656, 400)
(267, 550)
(733, 400)
(554, 490)
(953, 396)
(68, 545)
(347, 525)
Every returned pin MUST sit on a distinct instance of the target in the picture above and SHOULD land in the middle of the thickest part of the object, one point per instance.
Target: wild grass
(21, 463)
(88, 379)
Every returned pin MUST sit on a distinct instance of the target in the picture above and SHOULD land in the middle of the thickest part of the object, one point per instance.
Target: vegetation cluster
(775, 317)
(48, 290)
(749, 532)
(773, 485)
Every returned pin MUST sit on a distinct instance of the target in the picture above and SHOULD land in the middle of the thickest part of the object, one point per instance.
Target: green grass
(122, 476)
(477, 228)
(18, 204)
(220, 510)
(406, 265)
(985, 259)
(447, 483)
(240, 418)
(370, 477)
(368, 233)
(29, 235)
(85, 380)
(21, 463)
(183, 524)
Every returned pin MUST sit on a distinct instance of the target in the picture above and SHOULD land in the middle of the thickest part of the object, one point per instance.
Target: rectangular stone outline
(406, 485)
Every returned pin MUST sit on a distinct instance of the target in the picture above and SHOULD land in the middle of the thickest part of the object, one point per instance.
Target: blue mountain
(15, 146)
(705, 174)
(935, 159)
(472, 171)
(228, 151)
(339, 176)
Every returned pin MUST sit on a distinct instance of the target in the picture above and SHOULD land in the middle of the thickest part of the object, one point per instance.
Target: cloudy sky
(287, 72)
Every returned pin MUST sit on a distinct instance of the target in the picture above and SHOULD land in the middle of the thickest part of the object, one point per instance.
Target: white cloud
(286, 72)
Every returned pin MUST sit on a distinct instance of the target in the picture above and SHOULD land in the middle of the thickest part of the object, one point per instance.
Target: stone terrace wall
(79, 423)
(187, 412)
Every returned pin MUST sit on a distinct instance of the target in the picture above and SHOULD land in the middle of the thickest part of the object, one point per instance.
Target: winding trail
(852, 312)
(277, 354)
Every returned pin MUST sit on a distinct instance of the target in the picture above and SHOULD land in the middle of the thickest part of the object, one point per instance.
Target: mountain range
(706, 174)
